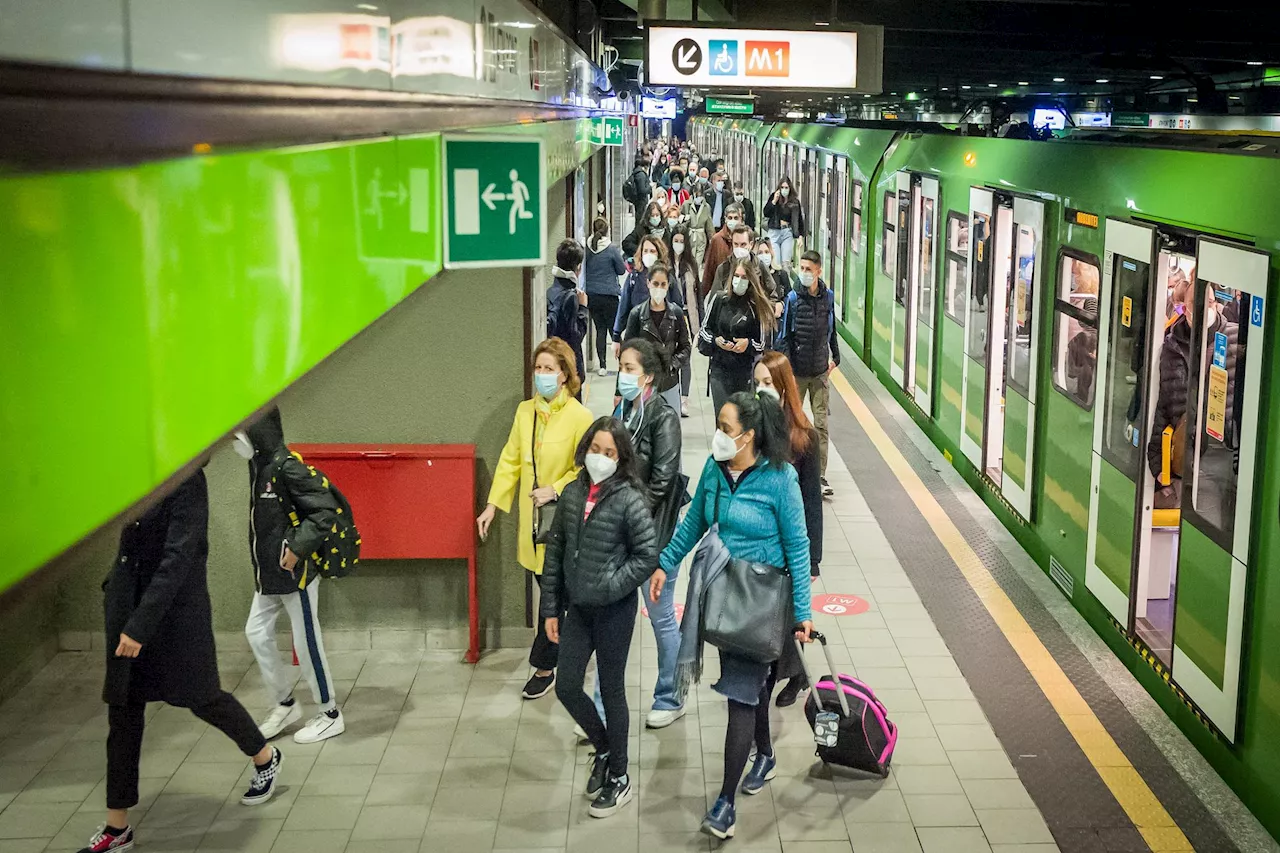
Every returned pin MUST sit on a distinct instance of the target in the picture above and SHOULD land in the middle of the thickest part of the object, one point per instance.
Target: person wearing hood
(281, 486)
(697, 217)
(537, 464)
(160, 648)
(567, 302)
(601, 272)
(652, 223)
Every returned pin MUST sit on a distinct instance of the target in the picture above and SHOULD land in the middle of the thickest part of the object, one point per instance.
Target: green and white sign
(1121, 119)
(606, 130)
(730, 106)
(495, 202)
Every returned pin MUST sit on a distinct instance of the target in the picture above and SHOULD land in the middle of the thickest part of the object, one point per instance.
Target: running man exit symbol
(495, 199)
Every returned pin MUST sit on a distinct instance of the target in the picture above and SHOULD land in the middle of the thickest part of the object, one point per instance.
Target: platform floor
(1067, 754)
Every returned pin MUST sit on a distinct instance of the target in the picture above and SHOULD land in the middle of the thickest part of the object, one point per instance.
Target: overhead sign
(1119, 119)
(730, 106)
(829, 59)
(660, 108)
(606, 130)
(495, 202)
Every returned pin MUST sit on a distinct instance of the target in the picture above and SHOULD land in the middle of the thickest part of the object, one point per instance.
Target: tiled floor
(440, 756)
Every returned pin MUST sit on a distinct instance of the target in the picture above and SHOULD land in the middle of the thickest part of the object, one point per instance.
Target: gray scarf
(709, 560)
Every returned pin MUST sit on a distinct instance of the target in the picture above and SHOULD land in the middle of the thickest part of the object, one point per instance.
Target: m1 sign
(846, 59)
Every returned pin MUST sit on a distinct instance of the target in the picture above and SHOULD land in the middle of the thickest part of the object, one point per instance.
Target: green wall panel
(1115, 526)
(1204, 590)
(950, 378)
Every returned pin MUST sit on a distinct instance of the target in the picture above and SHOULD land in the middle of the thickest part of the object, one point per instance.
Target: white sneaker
(280, 718)
(662, 719)
(322, 727)
(604, 371)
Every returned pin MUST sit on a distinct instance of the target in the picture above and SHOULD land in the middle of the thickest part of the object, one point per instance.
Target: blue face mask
(546, 384)
(628, 386)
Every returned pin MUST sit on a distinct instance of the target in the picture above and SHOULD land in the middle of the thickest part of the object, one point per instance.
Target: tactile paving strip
(1076, 804)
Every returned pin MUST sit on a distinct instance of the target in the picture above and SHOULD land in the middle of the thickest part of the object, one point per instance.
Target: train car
(1082, 325)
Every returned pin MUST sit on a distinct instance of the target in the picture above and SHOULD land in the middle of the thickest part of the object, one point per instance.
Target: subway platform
(1020, 732)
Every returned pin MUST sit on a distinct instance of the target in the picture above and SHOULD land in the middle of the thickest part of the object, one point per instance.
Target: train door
(1227, 324)
(916, 218)
(898, 206)
(839, 238)
(998, 390)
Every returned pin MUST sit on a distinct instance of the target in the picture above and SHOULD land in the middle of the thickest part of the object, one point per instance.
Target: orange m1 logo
(768, 58)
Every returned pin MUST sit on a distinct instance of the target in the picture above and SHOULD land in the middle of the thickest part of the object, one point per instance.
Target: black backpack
(339, 553)
(634, 192)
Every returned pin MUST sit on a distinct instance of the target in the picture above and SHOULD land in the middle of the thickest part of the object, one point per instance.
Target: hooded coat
(280, 481)
(158, 594)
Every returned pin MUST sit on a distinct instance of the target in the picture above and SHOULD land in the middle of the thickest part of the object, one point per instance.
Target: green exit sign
(730, 106)
(606, 130)
(1122, 119)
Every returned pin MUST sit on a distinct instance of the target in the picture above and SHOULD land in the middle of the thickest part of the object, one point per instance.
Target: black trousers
(544, 654)
(725, 383)
(124, 741)
(603, 311)
(606, 632)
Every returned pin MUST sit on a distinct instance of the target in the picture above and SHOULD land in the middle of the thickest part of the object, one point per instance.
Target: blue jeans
(784, 245)
(666, 630)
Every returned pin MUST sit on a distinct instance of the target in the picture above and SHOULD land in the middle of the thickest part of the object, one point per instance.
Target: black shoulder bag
(542, 515)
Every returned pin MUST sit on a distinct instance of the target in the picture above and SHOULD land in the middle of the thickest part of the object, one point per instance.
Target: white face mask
(649, 259)
(658, 294)
(723, 447)
(738, 196)
(600, 467)
(764, 258)
(697, 201)
(741, 252)
(242, 445)
(600, 208)
(740, 285)
(786, 191)
(732, 223)
(771, 391)
(673, 221)
(678, 248)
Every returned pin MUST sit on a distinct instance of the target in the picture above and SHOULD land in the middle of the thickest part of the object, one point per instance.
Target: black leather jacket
(657, 441)
(603, 559)
(673, 336)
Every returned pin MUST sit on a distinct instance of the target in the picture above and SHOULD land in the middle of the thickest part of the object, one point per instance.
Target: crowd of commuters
(599, 522)
(601, 502)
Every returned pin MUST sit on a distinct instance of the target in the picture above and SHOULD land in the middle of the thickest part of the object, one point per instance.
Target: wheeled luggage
(850, 725)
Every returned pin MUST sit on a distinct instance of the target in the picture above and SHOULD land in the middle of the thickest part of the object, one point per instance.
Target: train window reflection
(1075, 328)
(888, 239)
(856, 246)
(981, 242)
(957, 260)
(1022, 311)
(1126, 379)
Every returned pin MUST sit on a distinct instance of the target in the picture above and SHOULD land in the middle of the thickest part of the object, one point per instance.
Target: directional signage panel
(829, 59)
(730, 106)
(606, 130)
(495, 202)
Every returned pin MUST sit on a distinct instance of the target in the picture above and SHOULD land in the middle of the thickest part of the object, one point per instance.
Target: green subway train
(1082, 325)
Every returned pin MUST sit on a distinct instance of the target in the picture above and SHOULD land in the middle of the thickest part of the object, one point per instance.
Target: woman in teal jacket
(750, 488)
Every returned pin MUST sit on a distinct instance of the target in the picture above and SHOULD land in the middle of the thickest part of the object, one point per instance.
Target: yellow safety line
(1126, 784)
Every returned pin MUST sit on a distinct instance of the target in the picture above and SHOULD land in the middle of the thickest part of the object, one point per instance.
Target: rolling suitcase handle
(831, 664)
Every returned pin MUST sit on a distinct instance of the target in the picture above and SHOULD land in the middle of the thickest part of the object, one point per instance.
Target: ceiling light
(1157, 77)
(1102, 80)
(991, 85)
(1234, 97)
(1059, 79)
(966, 87)
(1193, 100)
(1023, 83)
(945, 89)
(822, 23)
(1253, 62)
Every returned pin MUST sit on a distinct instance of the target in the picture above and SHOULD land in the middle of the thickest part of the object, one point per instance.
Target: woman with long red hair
(773, 376)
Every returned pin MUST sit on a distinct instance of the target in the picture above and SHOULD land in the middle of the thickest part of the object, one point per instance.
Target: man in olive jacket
(291, 512)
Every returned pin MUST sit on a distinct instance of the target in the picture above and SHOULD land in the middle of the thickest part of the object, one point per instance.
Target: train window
(957, 266)
(928, 229)
(1224, 326)
(980, 240)
(888, 238)
(1022, 310)
(1075, 327)
(1122, 406)
(856, 242)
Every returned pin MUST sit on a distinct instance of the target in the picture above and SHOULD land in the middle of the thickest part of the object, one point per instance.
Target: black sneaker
(615, 794)
(538, 686)
(827, 491)
(787, 695)
(263, 784)
(599, 775)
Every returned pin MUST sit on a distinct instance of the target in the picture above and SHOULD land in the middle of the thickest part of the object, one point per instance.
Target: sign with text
(847, 60)
(730, 106)
(495, 202)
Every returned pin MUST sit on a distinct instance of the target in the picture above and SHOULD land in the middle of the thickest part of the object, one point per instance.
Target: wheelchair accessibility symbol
(724, 57)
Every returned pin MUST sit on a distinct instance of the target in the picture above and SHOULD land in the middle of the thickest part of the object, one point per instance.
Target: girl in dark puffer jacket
(602, 548)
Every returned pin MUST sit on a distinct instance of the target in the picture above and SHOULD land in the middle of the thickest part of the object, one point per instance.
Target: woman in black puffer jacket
(602, 548)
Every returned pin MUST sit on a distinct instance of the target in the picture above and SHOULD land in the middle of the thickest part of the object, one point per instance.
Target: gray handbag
(746, 609)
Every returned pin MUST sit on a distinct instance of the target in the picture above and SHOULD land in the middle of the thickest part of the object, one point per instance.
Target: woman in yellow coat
(545, 435)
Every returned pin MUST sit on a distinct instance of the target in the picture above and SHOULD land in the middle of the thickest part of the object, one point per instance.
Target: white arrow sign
(684, 58)
(490, 196)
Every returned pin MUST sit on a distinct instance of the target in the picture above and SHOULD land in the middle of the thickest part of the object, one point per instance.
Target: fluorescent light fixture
(1024, 83)
(991, 85)
(1059, 79)
(822, 23)
(1193, 100)
(1253, 62)
(1157, 77)
(945, 89)
(966, 87)
(1233, 97)
(1102, 80)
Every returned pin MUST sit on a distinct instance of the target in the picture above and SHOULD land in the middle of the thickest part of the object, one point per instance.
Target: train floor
(1019, 730)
